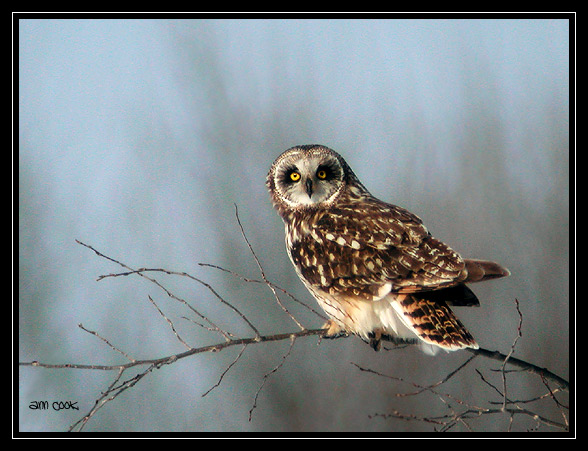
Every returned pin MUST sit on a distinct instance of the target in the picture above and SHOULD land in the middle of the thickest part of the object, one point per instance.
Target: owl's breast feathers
(378, 249)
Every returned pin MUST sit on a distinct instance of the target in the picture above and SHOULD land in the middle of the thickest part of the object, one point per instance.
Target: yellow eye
(322, 174)
(295, 176)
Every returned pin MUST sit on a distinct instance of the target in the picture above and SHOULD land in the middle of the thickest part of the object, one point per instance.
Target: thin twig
(98, 404)
(510, 353)
(522, 364)
(81, 326)
(267, 375)
(169, 322)
(267, 282)
(560, 406)
(220, 379)
(196, 279)
(284, 291)
(169, 293)
(450, 420)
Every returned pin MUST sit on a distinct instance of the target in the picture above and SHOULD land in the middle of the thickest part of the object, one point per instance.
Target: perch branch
(118, 385)
(173, 357)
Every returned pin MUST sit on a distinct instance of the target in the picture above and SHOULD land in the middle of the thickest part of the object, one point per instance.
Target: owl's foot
(333, 330)
(375, 339)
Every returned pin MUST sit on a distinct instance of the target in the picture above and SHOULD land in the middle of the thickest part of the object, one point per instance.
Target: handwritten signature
(55, 405)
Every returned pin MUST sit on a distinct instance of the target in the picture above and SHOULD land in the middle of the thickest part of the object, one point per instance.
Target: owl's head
(308, 177)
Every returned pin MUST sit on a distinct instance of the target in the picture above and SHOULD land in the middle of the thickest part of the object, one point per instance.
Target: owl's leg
(375, 339)
(334, 330)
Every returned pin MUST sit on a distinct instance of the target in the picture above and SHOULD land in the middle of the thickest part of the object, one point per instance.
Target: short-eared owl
(373, 267)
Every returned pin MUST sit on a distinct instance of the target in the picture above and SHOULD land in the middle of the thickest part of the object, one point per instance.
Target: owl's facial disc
(309, 181)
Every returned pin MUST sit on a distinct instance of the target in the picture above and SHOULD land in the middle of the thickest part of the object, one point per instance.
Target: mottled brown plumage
(372, 266)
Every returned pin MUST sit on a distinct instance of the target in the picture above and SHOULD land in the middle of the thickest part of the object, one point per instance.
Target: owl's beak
(308, 186)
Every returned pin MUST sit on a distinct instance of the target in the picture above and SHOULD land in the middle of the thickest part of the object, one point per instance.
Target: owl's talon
(375, 344)
(375, 340)
(333, 330)
(334, 336)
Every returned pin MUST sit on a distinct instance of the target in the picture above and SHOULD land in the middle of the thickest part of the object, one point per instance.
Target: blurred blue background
(139, 136)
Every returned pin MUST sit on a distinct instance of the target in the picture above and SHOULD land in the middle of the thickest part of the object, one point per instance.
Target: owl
(373, 267)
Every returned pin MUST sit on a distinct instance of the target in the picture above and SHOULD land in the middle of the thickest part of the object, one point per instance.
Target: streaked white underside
(384, 314)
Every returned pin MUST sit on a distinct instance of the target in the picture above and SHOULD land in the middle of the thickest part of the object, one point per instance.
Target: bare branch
(81, 326)
(169, 293)
(508, 406)
(267, 282)
(196, 279)
(460, 411)
(97, 405)
(171, 325)
(523, 365)
(267, 375)
(225, 372)
(512, 349)
(173, 357)
(246, 279)
(420, 388)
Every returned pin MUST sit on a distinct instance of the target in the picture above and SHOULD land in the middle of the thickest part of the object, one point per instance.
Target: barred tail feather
(434, 323)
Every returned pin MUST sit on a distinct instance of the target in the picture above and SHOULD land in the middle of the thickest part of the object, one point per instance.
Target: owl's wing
(379, 249)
